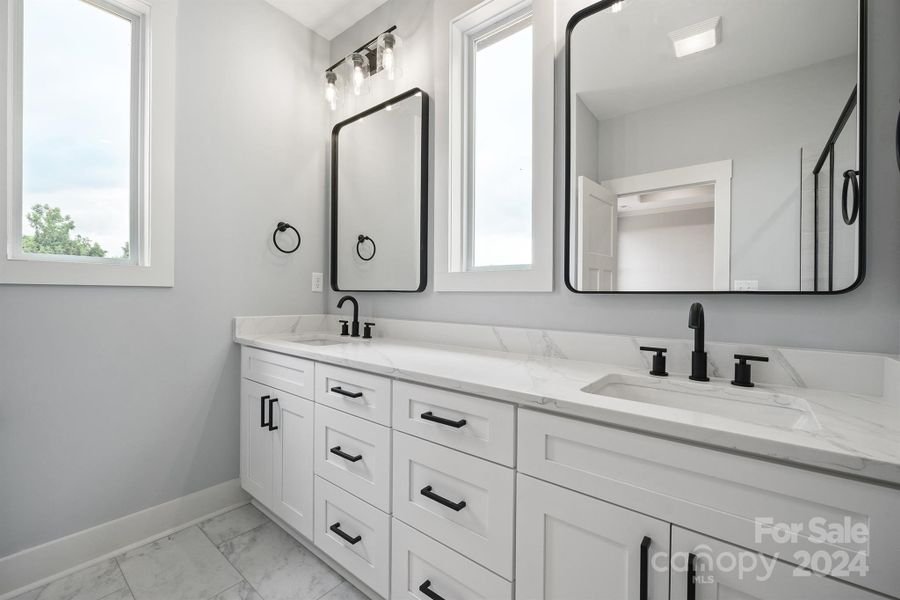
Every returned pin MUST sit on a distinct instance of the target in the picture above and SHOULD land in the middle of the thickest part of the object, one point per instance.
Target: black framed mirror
(379, 197)
(716, 146)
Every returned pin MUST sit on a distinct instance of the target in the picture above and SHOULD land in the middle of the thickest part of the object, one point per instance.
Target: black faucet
(355, 324)
(698, 356)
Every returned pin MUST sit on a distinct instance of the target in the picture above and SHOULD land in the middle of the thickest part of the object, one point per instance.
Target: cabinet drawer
(355, 455)
(417, 560)
(481, 427)
(366, 553)
(432, 483)
(286, 373)
(361, 394)
(726, 571)
(742, 500)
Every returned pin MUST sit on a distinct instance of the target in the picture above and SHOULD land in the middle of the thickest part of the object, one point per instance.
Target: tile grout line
(233, 566)
(342, 582)
(125, 579)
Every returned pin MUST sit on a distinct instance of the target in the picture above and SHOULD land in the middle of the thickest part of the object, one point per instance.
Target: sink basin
(317, 341)
(759, 407)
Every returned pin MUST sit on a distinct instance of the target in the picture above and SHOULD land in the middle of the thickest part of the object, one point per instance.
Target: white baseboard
(309, 545)
(36, 566)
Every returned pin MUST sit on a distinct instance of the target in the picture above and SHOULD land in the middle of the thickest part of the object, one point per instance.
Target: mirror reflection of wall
(643, 115)
(379, 198)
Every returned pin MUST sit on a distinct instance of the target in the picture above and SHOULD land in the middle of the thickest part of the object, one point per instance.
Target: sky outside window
(501, 209)
(77, 118)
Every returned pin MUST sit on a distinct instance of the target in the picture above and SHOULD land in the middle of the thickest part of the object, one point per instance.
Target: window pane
(76, 130)
(501, 207)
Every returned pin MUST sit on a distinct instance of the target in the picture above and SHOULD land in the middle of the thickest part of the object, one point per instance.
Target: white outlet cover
(317, 282)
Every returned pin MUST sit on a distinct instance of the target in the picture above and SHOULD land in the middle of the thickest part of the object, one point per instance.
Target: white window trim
(456, 23)
(152, 219)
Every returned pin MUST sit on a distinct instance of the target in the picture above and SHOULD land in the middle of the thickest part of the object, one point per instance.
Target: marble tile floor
(239, 555)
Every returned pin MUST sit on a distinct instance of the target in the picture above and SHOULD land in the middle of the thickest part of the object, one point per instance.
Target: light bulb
(387, 59)
(617, 7)
(358, 78)
(331, 92)
(331, 96)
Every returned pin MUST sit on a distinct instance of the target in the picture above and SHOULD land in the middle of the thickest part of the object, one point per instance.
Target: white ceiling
(328, 18)
(624, 62)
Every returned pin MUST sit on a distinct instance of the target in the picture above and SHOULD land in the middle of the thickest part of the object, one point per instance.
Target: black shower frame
(862, 43)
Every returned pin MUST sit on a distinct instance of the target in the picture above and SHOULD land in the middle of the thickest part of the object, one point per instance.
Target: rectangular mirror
(715, 146)
(379, 197)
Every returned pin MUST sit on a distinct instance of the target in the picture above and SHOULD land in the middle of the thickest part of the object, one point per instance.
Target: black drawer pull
(425, 588)
(428, 416)
(336, 528)
(343, 392)
(457, 506)
(337, 450)
(272, 426)
(262, 411)
(645, 551)
(691, 574)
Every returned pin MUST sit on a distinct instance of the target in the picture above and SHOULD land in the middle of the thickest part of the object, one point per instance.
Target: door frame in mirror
(862, 88)
(424, 181)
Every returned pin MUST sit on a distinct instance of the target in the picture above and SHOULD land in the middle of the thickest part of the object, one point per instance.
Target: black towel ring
(359, 242)
(850, 178)
(282, 227)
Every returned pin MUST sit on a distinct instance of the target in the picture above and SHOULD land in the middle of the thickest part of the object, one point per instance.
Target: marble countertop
(853, 434)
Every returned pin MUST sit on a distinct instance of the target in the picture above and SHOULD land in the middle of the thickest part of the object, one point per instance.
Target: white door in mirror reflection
(598, 232)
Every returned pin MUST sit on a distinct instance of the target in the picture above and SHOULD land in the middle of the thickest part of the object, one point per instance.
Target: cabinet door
(725, 572)
(256, 441)
(293, 462)
(573, 547)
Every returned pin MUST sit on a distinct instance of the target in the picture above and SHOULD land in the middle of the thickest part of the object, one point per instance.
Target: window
(77, 166)
(494, 230)
(499, 217)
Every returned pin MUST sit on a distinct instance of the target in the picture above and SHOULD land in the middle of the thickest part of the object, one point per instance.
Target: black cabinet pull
(272, 426)
(428, 416)
(645, 559)
(337, 450)
(691, 574)
(343, 392)
(425, 588)
(457, 506)
(336, 528)
(262, 411)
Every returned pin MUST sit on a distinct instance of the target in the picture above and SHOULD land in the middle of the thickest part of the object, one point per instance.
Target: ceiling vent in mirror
(697, 37)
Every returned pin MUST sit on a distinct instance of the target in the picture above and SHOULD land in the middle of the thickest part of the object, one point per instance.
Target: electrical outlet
(317, 282)
(746, 285)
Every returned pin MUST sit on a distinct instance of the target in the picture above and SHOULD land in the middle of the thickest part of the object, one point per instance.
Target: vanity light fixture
(378, 54)
(697, 37)
(618, 6)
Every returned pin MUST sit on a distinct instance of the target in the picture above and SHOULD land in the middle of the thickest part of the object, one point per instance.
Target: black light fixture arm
(361, 48)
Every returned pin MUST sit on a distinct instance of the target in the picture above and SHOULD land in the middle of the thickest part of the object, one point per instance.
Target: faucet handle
(345, 330)
(742, 369)
(367, 331)
(659, 360)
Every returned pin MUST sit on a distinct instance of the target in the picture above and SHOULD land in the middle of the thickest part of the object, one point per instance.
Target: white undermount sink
(755, 406)
(317, 340)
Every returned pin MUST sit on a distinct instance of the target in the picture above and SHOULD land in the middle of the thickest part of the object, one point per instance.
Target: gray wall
(116, 399)
(864, 320)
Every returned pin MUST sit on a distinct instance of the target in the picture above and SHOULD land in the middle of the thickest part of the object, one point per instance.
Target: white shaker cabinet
(573, 547)
(704, 568)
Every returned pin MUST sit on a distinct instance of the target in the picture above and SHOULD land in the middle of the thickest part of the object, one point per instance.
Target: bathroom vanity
(430, 471)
